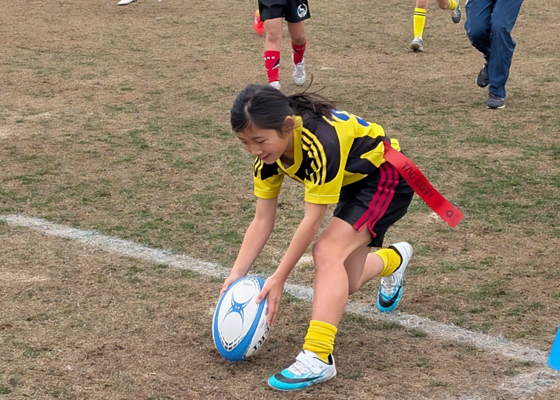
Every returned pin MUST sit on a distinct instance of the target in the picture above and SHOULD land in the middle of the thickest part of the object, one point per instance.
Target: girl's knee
(443, 4)
(273, 30)
(298, 39)
(273, 37)
(323, 254)
(319, 252)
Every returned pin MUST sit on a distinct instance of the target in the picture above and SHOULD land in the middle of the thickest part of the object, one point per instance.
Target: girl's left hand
(273, 287)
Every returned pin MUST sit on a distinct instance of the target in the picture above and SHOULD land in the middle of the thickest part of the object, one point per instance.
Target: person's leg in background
(502, 45)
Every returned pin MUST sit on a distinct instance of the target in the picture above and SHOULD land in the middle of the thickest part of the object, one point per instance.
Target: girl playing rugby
(340, 160)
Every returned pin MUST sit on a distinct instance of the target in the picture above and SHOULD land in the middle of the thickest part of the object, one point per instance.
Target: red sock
(299, 52)
(272, 62)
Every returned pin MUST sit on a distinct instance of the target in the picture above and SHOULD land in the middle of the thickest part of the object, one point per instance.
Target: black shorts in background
(290, 10)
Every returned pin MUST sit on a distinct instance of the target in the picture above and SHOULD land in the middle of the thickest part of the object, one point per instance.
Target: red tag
(420, 184)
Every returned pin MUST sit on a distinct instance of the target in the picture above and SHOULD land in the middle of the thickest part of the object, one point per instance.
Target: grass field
(115, 119)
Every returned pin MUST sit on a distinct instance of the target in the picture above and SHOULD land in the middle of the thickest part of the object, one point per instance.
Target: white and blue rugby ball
(239, 325)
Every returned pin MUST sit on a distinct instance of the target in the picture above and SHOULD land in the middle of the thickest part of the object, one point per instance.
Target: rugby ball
(239, 325)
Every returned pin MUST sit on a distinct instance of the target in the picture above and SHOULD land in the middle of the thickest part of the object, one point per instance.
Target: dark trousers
(489, 24)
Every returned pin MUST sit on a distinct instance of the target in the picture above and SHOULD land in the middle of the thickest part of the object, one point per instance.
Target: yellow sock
(391, 261)
(320, 339)
(453, 4)
(419, 21)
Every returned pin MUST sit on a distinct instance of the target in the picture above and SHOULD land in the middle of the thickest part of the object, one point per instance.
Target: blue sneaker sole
(391, 307)
(288, 387)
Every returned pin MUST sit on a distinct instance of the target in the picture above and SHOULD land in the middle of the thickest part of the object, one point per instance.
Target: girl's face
(267, 144)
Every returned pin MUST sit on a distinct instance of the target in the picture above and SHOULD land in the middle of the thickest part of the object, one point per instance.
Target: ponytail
(310, 106)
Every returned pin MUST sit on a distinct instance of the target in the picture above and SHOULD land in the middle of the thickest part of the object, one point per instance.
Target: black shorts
(290, 10)
(375, 202)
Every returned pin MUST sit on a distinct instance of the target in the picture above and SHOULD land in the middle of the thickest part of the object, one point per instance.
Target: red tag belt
(420, 184)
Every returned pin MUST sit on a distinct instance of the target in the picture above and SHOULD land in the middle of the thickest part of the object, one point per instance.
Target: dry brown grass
(80, 323)
(116, 119)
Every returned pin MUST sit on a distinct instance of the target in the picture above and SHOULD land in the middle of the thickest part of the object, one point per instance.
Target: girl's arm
(304, 235)
(255, 238)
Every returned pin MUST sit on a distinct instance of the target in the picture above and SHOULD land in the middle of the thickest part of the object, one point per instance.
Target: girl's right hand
(233, 276)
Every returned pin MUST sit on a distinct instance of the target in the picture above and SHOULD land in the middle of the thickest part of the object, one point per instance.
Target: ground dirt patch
(116, 119)
(103, 326)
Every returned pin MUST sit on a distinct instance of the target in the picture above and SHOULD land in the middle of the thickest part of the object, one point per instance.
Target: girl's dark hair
(267, 108)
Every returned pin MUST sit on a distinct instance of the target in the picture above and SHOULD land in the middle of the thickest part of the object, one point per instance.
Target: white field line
(523, 384)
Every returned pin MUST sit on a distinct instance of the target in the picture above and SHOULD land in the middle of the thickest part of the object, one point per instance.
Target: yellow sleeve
(267, 179)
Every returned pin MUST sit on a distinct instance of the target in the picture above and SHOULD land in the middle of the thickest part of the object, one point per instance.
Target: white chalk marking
(533, 382)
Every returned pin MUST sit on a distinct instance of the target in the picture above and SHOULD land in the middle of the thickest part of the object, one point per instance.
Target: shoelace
(299, 68)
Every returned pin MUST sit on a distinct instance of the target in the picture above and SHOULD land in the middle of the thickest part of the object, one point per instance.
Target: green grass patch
(422, 362)
(417, 333)
(57, 392)
(490, 290)
(5, 389)
(186, 273)
(288, 298)
(137, 139)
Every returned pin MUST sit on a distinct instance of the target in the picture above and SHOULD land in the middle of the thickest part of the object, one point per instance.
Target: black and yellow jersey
(328, 154)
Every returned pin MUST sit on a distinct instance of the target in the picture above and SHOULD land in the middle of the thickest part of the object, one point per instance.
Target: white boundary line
(520, 385)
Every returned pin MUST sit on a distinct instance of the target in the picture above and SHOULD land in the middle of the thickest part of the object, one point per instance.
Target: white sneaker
(125, 2)
(308, 370)
(299, 72)
(417, 44)
(275, 85)
(390, 287)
